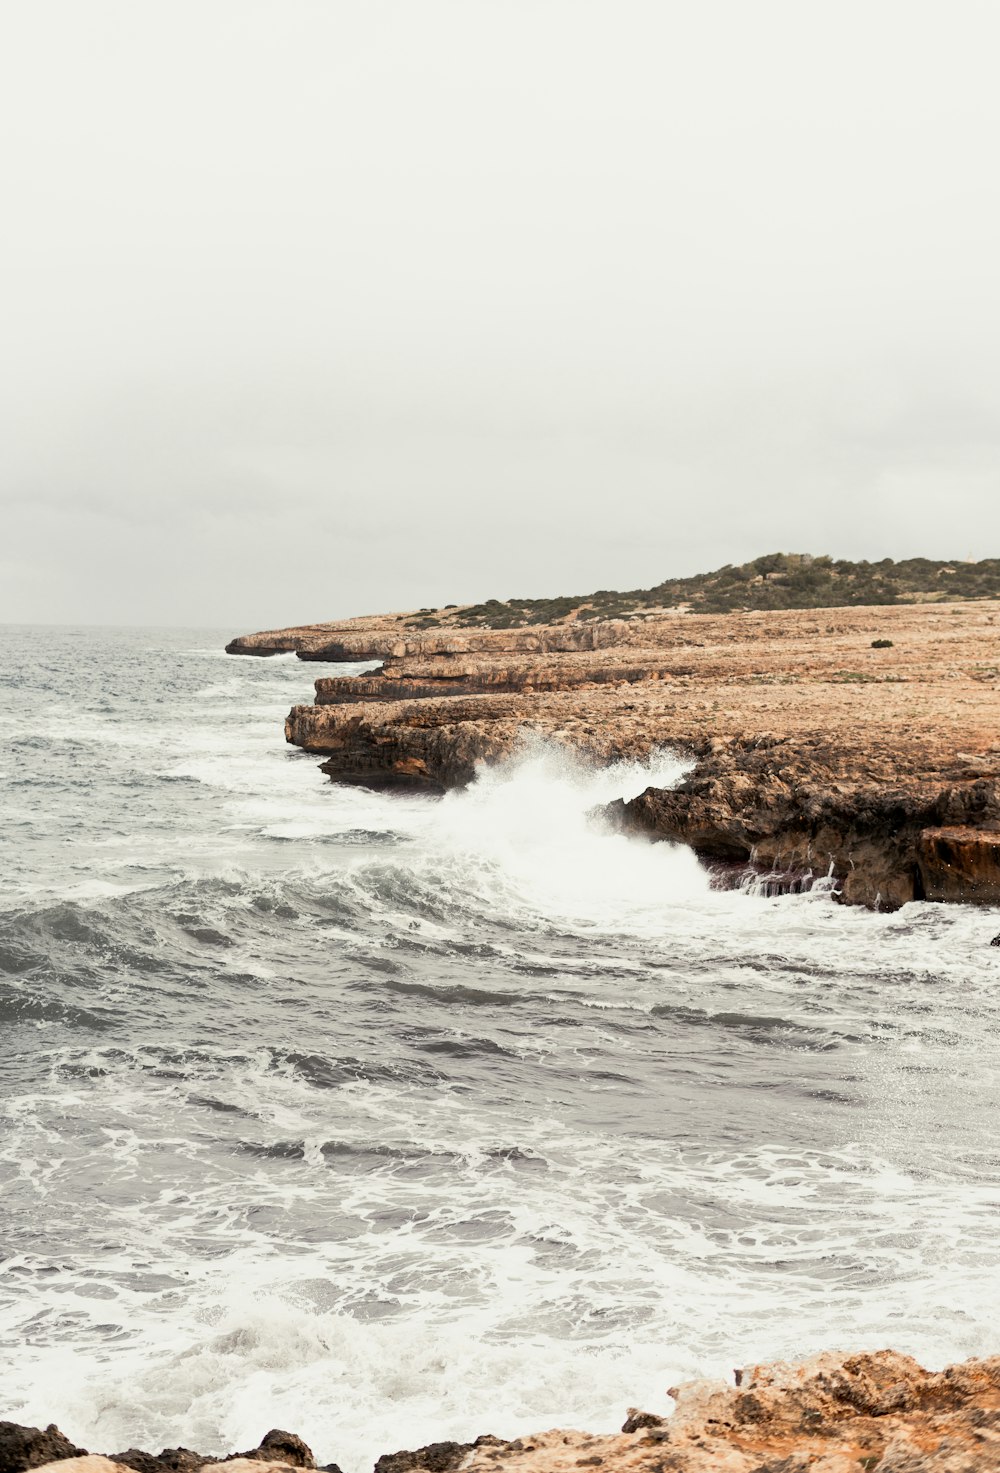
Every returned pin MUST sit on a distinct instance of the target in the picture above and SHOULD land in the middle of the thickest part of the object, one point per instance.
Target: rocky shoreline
(830, 1414)
(859, 743)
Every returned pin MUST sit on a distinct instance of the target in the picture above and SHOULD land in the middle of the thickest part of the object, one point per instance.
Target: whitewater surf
(391, 1118)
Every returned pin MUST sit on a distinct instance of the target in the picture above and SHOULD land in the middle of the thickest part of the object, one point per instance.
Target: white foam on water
(251, 1346)
(537, 820)
(353, 1390)
(590, 1286)
(201, 1293)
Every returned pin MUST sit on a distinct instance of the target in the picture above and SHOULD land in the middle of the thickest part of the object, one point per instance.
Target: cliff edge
(863, 743)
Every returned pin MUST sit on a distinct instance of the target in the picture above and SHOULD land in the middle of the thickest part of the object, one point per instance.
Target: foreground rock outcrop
(23, 1448)
(873, 1413)
(862, 743)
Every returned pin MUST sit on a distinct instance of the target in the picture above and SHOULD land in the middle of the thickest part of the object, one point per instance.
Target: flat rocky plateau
(861, 743)
(831, 1414)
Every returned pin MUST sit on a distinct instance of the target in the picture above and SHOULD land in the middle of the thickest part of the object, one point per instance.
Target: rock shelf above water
(859, 742)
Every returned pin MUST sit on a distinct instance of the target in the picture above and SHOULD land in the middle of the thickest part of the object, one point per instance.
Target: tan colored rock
(242, 1465)
(813, 751)
(89, 1463)
(831, 1414)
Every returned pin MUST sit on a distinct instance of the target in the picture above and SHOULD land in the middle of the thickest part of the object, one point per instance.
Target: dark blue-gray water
(389, 1119)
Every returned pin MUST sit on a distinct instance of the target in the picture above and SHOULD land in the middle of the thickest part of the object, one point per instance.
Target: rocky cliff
(879, 1413)
(864, 743)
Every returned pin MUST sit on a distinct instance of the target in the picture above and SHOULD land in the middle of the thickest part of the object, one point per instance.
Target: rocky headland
(859, 742)
(875, 1413)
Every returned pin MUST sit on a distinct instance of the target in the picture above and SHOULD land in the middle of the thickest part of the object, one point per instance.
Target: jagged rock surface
(832, 1414)
(22, 1448)
(868, 1413)
(791, 809)
(814, 751)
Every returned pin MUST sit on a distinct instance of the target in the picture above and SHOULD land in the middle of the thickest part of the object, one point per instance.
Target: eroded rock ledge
(877, 1413)
(859, 742)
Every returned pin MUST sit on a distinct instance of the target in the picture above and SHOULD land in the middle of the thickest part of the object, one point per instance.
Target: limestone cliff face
(406, 743)
(423, 676)
(960, 861)
(814, 751)
(792, 812)
(377, 636)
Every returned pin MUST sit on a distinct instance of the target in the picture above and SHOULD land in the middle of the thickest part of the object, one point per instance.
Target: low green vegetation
(779, 580)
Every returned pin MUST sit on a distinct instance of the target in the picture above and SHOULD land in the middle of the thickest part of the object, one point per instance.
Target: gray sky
(314, 308)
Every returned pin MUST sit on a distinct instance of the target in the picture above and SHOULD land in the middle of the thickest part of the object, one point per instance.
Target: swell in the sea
(390, 1119)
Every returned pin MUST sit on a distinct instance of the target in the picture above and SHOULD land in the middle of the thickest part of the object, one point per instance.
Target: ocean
(387, 1118)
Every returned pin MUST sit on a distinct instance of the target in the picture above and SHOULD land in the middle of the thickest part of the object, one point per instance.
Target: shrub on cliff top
(778, 580)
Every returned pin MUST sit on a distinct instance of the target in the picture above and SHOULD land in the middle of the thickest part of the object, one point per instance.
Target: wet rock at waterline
(833, 1413)
(22, 1448)
(815, 750)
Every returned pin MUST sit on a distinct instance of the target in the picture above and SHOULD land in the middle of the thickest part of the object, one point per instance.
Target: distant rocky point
(858, 742)
(877, 1413)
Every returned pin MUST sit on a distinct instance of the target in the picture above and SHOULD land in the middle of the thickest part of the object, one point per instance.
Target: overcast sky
(320, 307)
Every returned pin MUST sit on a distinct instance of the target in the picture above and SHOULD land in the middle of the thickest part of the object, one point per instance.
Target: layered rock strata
(864, 743)
(877, 1413)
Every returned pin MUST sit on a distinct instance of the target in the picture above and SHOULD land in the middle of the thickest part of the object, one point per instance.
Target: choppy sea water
(389, 1119)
